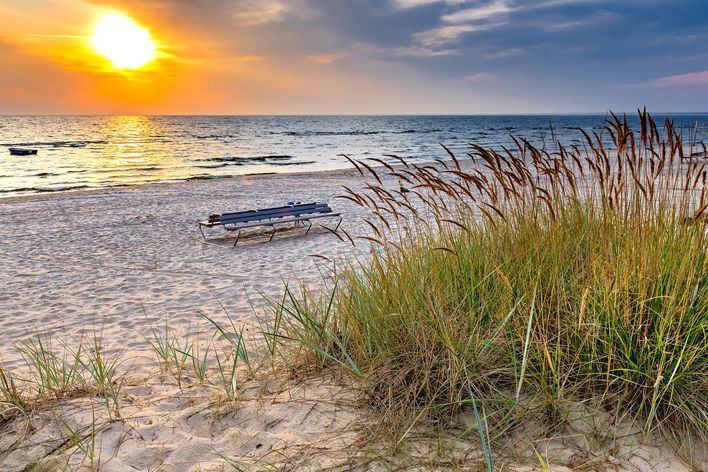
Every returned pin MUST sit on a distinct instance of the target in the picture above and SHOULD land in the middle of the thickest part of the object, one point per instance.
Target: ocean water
(80, 152)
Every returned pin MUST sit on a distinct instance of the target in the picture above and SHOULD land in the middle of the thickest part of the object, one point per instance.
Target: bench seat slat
(301, 207)
(269, 216)
(271, 213)
(281, 221)
(275, 216)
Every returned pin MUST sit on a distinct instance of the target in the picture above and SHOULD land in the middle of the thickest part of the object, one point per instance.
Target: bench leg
(339, 222)
(309, 227)
(238, 236)
(272, 234)
(202, 231)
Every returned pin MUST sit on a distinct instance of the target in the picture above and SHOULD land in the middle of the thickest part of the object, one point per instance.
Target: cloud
(477, 78)
(260, 12)
(487, 15)
(447, 34)
(238, 54)
(417, 3)
(215, 12)
(422, 51)
(249, 58)
(468, 20)
(599, 17)
(681, 80)
(482, 12)
(505, 53)
(325, 58)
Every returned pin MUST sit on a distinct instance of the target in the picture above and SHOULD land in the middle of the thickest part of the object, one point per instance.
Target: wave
(140, 169)
(275, 160)
(73, 144)
(218, 166)
(354, 132)
(418, 131)
(246, 159)
(330, 133)
(297, 163)
(43, 189)
(199, 177)
(212, 136)
(205, 177)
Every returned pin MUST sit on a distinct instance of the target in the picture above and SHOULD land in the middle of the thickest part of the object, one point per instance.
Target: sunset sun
(123, 42)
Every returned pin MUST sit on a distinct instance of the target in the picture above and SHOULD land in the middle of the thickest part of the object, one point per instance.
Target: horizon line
(588, 113)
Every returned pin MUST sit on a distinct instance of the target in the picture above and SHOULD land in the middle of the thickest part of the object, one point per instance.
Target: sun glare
(123, 42)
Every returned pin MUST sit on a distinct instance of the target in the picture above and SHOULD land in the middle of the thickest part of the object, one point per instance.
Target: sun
(123, 42)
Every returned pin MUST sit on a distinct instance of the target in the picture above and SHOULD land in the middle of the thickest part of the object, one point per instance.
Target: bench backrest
(272, 213)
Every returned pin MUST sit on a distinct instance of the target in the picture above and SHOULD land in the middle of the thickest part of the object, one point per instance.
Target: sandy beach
(125, 262)
(120, 261)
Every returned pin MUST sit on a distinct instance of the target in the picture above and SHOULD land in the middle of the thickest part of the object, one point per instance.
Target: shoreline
(121, 187)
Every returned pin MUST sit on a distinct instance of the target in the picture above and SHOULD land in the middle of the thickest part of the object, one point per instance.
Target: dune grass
(524, 280)
(52, 373)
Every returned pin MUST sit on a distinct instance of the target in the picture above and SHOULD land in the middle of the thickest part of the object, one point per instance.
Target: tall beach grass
(513, 283)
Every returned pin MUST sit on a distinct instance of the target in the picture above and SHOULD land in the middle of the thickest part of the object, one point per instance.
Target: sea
(85, 152)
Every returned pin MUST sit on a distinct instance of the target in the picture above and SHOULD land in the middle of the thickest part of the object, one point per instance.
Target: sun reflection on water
(132, 150)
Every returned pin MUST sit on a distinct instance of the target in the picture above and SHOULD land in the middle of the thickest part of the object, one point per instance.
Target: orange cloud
(325, 58)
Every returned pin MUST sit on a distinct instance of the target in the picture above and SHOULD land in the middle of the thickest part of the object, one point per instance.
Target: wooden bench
(239, 220)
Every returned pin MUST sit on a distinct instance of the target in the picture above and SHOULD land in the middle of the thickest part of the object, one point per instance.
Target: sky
(359, 57)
